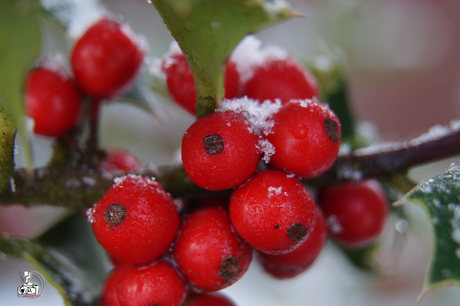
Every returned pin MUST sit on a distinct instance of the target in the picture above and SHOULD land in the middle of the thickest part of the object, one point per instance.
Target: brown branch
(384, 162)
(63, 185)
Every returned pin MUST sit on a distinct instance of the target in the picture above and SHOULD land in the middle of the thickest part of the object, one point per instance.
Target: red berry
(53, 101)
(355, 212)
(117, 262)
(179, 81)
(295, 262)
(208, 252)
(219, 151)
(156, 284)
(136, 220)
(106, 59)
(119, 160)
(208, 299)
(283, 79)
(109, 295)
(273, 212)
(306, 137)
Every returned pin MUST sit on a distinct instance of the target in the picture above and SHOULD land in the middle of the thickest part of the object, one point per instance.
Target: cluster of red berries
(104, 62)
(163, 259)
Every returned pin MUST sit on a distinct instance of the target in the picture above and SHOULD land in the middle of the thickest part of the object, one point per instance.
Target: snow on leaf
(207, 31)
(20, 43)
(440, 197)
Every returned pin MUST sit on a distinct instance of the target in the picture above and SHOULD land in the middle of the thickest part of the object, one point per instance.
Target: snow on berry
(219, 151)
(306, 138)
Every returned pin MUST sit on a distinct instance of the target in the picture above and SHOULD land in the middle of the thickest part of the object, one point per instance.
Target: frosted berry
(355, 212)
(53, 101)
(208, 299)
(179, 81)
(219, 151)
(156, 284)
(295, 262)
(109, 295)
(136, 220)
(119, 160)
(208, 252)
(273, 212)
(306, 137)
(283, 79)
(106, 59)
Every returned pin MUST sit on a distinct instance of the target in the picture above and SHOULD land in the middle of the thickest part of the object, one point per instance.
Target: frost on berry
(332, 129)
(297, 232)
(213, 144)
(114, 214)
(229, 267)
(156, 68)
(139, 40)
(57, 63)
(267, 149)
(90, 214)
(257, 114)
(250, 54)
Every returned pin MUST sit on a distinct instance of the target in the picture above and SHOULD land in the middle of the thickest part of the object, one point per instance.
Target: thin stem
(386, 162)
(92, 143)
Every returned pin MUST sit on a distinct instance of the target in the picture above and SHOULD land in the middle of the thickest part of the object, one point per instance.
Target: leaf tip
(422, 295)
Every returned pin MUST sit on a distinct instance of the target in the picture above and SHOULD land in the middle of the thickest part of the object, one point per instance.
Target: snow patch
(57, 63)
(248, 54)
(274, 191)
(334, 225)
(158, 64)
(267, 149)
(257, 114)
(90, 214)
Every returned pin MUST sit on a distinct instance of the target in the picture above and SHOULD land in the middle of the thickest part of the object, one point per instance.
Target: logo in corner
(33, 285)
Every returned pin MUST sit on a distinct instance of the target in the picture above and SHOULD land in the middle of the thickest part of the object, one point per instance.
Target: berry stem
(387, 162)
(92, 143)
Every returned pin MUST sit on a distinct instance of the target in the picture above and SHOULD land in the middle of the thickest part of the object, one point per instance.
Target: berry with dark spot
(156, 284)
(208, 252)
(136, 220)
(355, 212)
(273, 212)
(296, 262)
(306, 137)
(219, 151)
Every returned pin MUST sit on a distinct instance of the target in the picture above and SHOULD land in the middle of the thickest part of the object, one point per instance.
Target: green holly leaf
(207, 31)
(7, 135)
(440, 197)
(20, 45)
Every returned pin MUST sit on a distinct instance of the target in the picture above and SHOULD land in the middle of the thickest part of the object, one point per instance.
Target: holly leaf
(207, 31)
(334, 88)
(7, 135)
(440, 197)
(20, 45)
